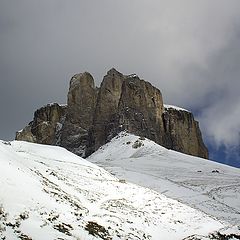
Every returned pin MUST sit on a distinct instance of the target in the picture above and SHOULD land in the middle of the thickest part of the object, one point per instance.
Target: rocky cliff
(182, 132)
(46, 125)
(93, 116)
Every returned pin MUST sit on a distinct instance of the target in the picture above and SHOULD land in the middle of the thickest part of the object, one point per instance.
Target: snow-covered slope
(49, 193)
(202, 184)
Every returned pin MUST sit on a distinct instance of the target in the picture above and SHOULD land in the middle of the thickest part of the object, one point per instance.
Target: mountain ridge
(93, 116)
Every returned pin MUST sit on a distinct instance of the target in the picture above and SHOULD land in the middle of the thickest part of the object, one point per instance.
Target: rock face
(80, 111)
(141, 109)
(93, 116)
(46, 125)
(105, 124)
(182, 133)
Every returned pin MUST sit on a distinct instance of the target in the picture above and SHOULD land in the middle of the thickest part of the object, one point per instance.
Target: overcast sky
(189, 49)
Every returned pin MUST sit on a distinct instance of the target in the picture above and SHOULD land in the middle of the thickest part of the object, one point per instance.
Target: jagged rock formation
(46, 125)
(93, 116)
(105, 124)
(80, 112)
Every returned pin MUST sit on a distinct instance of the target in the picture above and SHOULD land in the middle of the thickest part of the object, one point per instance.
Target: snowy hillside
(202, 184)
(49, 193)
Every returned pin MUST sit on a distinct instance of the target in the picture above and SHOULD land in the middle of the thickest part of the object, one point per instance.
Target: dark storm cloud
(189, 49)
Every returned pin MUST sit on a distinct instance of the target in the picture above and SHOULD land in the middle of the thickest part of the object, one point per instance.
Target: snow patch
(166, 106)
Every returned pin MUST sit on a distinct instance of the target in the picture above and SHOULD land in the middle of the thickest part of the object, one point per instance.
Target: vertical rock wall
(81, 105)
(104, 119)
(182, 133)
(94, 116)
(141, 109)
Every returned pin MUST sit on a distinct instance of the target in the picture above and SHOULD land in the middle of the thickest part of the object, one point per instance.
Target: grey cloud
(189, 49)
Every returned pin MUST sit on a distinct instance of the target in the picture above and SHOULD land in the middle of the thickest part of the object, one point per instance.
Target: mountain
(93, 116)
(49, 193)
(210, 187)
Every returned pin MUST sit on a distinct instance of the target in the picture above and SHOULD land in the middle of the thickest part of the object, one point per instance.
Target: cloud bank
(189, 49)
